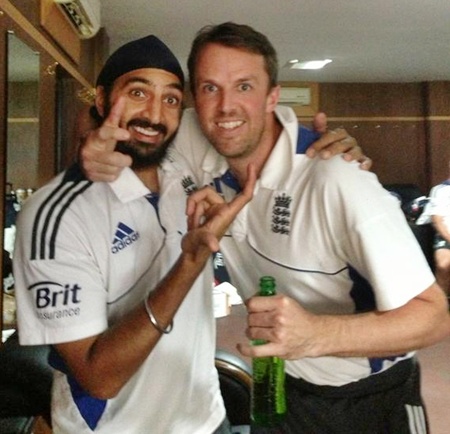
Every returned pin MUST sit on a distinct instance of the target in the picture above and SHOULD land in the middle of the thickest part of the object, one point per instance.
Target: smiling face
(152, 112)
(233, 99)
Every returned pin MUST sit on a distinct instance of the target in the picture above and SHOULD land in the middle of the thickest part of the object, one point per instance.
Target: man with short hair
(356, 295)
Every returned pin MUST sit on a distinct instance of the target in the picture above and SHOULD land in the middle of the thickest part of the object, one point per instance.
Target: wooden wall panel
(396, 148)
(389, 121)
(438, 129)
(47, 128)
(372, 99)
(70, 107)
(59, 28)
(439, 138)
(438, 98)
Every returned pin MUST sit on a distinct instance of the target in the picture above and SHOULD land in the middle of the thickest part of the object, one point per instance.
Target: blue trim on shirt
(376, 363)
(364, 299)
(305, 139)
(91, 409)
(153, 199)
(361, 292)
(231, 181)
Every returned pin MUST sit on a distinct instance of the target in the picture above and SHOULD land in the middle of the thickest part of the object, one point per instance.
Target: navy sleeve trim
(305, 138)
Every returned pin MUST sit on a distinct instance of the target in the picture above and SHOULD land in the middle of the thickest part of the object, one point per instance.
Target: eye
(137, 94)
(173, 100)
(209, 88)
(245, 87)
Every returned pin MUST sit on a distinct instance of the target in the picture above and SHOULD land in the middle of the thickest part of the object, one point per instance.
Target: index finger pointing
(113, 119)
(246, 195)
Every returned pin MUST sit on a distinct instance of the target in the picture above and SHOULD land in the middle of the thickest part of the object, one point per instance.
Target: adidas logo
(123, 237)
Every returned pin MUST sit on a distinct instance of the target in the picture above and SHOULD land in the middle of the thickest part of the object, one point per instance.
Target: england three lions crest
(188, 185)
(281, 214)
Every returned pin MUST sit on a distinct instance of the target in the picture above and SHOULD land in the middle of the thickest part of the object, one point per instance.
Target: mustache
(145, 123)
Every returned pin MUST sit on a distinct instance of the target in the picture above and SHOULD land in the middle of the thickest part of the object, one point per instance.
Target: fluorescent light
(310, 64)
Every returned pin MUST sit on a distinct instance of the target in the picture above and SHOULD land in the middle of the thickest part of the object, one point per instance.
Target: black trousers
(386, 403)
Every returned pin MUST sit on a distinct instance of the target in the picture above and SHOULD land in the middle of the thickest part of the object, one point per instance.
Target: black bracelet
(154, 322)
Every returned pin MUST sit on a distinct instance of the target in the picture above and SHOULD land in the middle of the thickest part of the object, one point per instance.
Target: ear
(100, 100)
(272, 98)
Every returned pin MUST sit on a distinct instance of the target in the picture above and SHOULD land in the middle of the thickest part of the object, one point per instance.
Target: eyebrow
(247, 78)
(131, 80)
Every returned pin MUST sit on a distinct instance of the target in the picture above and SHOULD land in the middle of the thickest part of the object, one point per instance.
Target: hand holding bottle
(290, 330)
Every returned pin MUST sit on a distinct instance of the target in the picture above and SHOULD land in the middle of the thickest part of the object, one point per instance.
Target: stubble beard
(237, 148)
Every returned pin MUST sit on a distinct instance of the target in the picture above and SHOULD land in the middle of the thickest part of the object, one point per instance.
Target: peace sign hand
(209, 215)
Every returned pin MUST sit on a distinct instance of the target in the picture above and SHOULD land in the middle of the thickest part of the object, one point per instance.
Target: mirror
(22, 134)
(23, 114)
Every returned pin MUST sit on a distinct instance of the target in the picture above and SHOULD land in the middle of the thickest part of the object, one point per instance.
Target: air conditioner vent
(295, 95)
(84, 15)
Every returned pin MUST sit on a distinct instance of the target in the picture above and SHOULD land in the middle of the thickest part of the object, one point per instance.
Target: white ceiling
(368, 41)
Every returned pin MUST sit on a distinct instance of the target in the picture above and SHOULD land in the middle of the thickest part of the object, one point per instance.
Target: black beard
(135, 149)
(141, 160)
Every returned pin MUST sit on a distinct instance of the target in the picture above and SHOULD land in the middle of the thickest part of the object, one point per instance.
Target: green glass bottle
(268, 392)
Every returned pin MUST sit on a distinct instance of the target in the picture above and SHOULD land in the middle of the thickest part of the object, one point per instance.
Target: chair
(25, 386)
(405, 192)
(235, 379)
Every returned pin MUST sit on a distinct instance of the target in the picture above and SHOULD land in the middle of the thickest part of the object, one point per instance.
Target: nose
(153, 110)
(226, 102)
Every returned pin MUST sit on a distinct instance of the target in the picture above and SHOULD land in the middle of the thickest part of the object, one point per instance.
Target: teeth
(230, 125)
(146, 132)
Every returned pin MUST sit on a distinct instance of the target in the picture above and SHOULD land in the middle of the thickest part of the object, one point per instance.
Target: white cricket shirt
(85, 255)
(323, 229)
